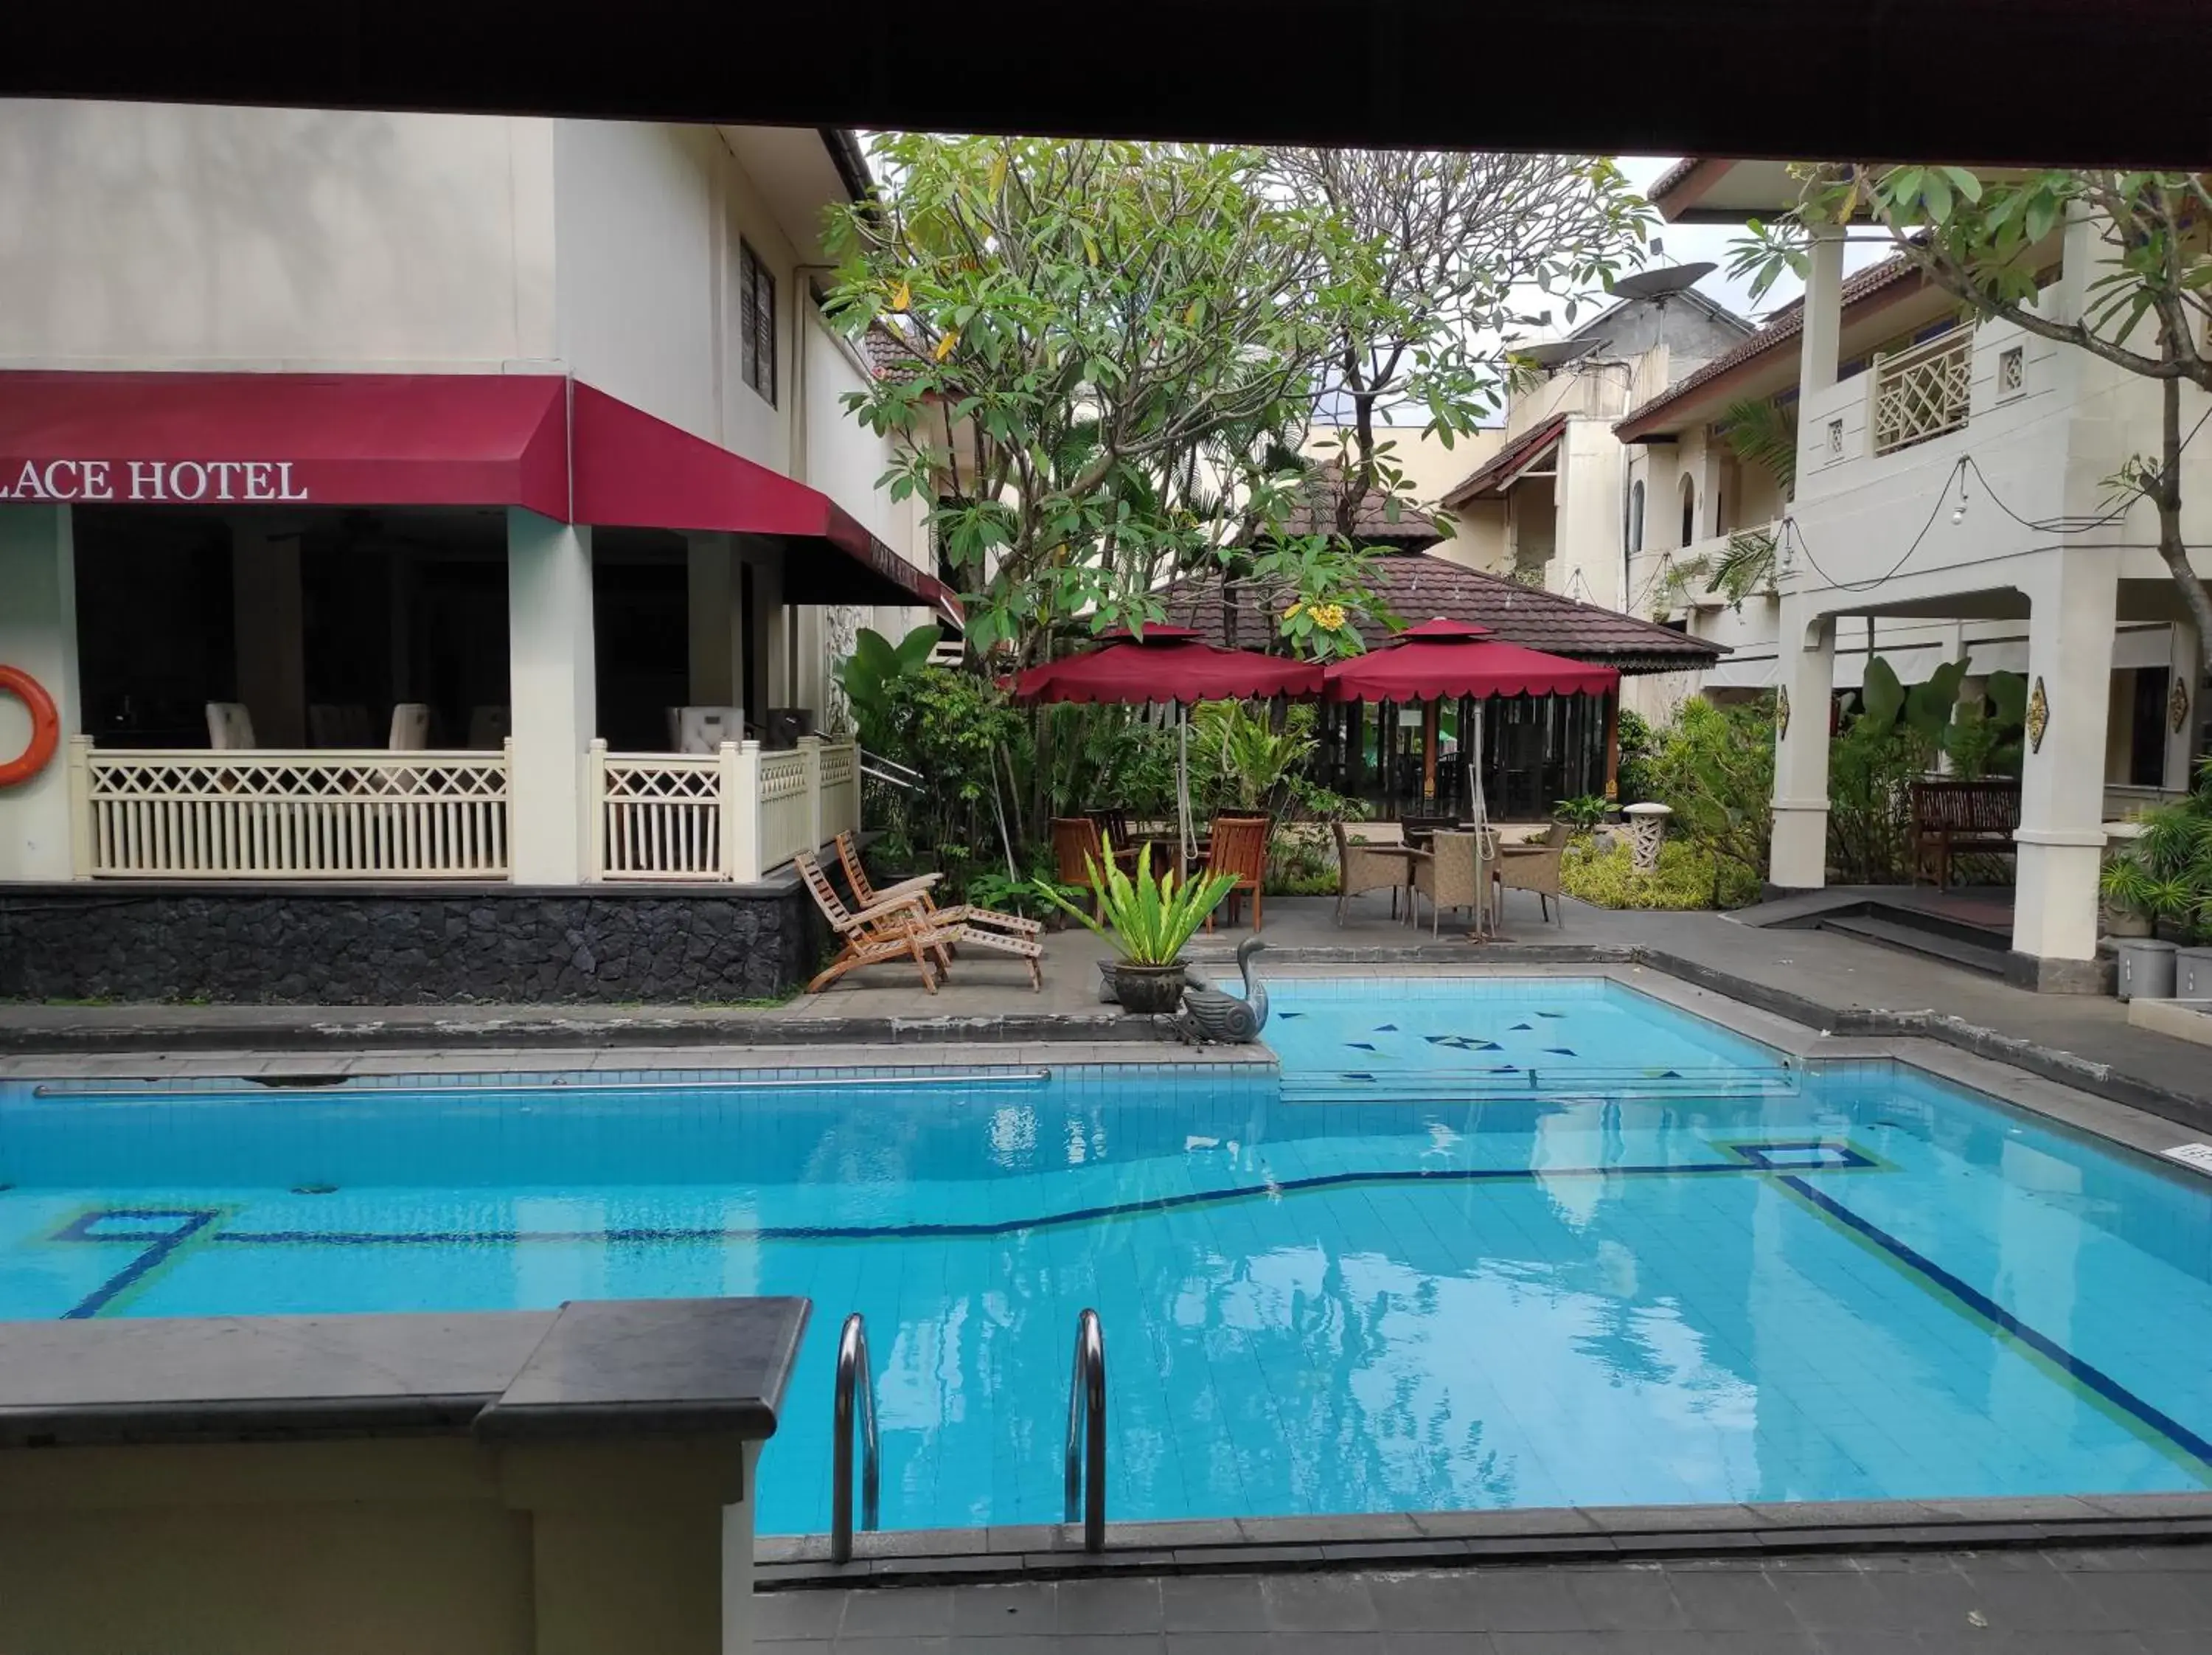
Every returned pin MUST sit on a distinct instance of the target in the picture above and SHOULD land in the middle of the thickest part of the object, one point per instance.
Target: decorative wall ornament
(2177, 706)
(2038, 717)
(1781, 711)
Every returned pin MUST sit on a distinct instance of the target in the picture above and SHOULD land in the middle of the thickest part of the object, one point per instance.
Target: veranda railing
(734, 814)
(256, 814)
(1924, 392)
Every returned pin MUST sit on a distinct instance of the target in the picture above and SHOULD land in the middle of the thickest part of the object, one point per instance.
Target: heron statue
(1210, 1014)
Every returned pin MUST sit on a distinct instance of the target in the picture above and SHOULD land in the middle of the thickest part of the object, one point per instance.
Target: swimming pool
(1366, 1297)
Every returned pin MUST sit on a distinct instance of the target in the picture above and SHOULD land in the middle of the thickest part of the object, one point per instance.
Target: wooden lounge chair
(901, 929)
(1239, 849)
(870, 895)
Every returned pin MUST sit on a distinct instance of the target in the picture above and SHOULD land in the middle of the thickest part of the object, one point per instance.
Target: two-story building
(1561, 503)
(1953, 496)
(431, 534)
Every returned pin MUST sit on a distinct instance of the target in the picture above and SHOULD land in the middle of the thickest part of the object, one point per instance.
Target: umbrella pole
(1431, 713)
(1472, 742)
(1182, 790)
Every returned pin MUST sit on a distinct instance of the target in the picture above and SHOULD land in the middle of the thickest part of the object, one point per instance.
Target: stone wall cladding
(386, 948)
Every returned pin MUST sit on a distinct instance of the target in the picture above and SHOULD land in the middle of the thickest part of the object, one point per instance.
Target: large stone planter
(2146, 969)
(1157, 989)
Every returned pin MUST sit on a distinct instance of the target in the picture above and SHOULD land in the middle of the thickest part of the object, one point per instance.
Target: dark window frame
(755, 322)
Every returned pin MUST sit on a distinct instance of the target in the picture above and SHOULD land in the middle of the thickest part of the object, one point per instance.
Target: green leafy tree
(870, 675)
(1077, 324)
(1986, 239)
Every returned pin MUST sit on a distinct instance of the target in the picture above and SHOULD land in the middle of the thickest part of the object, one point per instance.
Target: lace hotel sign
(191, 482)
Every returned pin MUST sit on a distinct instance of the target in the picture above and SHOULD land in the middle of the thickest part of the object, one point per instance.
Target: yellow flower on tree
(1329, 617)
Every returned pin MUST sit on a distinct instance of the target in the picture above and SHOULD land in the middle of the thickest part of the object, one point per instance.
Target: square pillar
(1824, 311)
(554, 683)
(2074, 603)
(1807, 652)
(269, 626)
(38, 636)
(711, 612)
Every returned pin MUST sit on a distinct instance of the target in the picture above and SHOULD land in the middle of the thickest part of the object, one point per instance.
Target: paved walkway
(2151, 1601)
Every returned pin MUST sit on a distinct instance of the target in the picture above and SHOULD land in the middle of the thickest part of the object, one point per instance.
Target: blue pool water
(1683, 1275)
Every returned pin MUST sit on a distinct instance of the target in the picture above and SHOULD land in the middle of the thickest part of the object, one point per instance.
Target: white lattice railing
(735, 814)
(163, 814)
(1922, 393)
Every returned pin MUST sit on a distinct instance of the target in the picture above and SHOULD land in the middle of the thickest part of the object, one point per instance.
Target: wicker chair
(1359, 868)
(1454, 874)
(1240, 849)
(1538, 871)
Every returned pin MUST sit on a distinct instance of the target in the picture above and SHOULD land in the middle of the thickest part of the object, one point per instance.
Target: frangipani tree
(1985, 238)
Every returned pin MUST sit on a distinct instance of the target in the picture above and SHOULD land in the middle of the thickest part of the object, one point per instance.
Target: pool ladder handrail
(1086, 1432)
(854, 1389)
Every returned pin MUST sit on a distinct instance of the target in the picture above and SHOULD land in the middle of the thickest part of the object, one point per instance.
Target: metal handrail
(888, 770)
(854, 1385)
(1086, 1432)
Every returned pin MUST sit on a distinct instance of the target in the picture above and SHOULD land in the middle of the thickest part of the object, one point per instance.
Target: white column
(710, 603)
(1806, 654)
(1824, 311)
(38, 636)
(2188, 673)
(268, 625)
(554, 688)
(2062, 796)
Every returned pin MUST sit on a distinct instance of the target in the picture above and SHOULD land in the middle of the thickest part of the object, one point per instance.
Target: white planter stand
(1647, 831)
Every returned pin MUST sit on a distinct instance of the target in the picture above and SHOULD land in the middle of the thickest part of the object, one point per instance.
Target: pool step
(1938, 940)
(1386, 1086)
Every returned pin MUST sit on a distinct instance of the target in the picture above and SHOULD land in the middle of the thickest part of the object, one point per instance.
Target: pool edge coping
(1428, 1540)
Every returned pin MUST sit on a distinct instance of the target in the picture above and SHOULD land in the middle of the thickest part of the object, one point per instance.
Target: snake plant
(1146, 919)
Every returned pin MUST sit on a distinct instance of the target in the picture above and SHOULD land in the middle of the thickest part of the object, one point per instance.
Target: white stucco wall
(172, 236)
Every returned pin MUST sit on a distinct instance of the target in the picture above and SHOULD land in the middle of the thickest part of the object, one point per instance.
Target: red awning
(1444, 660)
(1168, 664)
(286, 438)
(633, 471)
(426, 440)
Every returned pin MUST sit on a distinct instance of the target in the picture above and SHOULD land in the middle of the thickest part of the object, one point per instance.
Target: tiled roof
(1507, 460)
(886, 352)
(1789, 322)
(1371, 523)
(1418, 586)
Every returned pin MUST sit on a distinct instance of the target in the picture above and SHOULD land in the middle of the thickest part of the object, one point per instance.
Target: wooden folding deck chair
(903, 930)
(870, 895)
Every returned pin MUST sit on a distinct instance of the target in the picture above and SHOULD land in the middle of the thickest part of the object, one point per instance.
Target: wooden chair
(1360, 868)
(1239, 848)
(1076, 844)
(899, 930)
(1113, 825)
(1419, 830)
(1454, 874)
(870, 895)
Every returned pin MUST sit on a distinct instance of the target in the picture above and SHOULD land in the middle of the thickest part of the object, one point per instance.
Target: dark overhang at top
(1950, 79)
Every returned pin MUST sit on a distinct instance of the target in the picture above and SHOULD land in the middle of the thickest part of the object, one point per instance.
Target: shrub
(1689, 876)
(1715, 770)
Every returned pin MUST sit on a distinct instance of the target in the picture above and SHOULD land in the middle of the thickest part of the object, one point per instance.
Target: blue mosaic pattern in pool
(1861, 1286)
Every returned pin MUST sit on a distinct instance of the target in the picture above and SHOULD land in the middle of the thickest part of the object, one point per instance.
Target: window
(1689, 510)
(756, 321)
(1636, 516)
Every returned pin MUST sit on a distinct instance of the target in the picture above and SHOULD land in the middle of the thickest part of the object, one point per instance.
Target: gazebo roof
(1420, 587)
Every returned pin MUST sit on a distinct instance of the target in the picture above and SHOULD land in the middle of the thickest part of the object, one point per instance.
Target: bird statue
(1210, 1014)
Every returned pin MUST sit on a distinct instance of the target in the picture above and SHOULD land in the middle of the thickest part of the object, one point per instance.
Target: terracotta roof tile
(1371, 523)
(1507, 460)
(1789, 322)
(1419, 586)
(887, 353)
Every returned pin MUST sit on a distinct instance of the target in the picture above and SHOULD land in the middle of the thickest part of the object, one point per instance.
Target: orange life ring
(45, 726)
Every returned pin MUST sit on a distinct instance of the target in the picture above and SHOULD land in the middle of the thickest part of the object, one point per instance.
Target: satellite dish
(1553, 352)
(1660, 283)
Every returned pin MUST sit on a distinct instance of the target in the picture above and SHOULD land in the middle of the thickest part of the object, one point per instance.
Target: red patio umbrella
(1443, 659)
(1168, 664)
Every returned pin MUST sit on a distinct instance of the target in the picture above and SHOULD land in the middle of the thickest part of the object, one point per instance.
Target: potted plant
(2166, 873)
(1148, 920)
